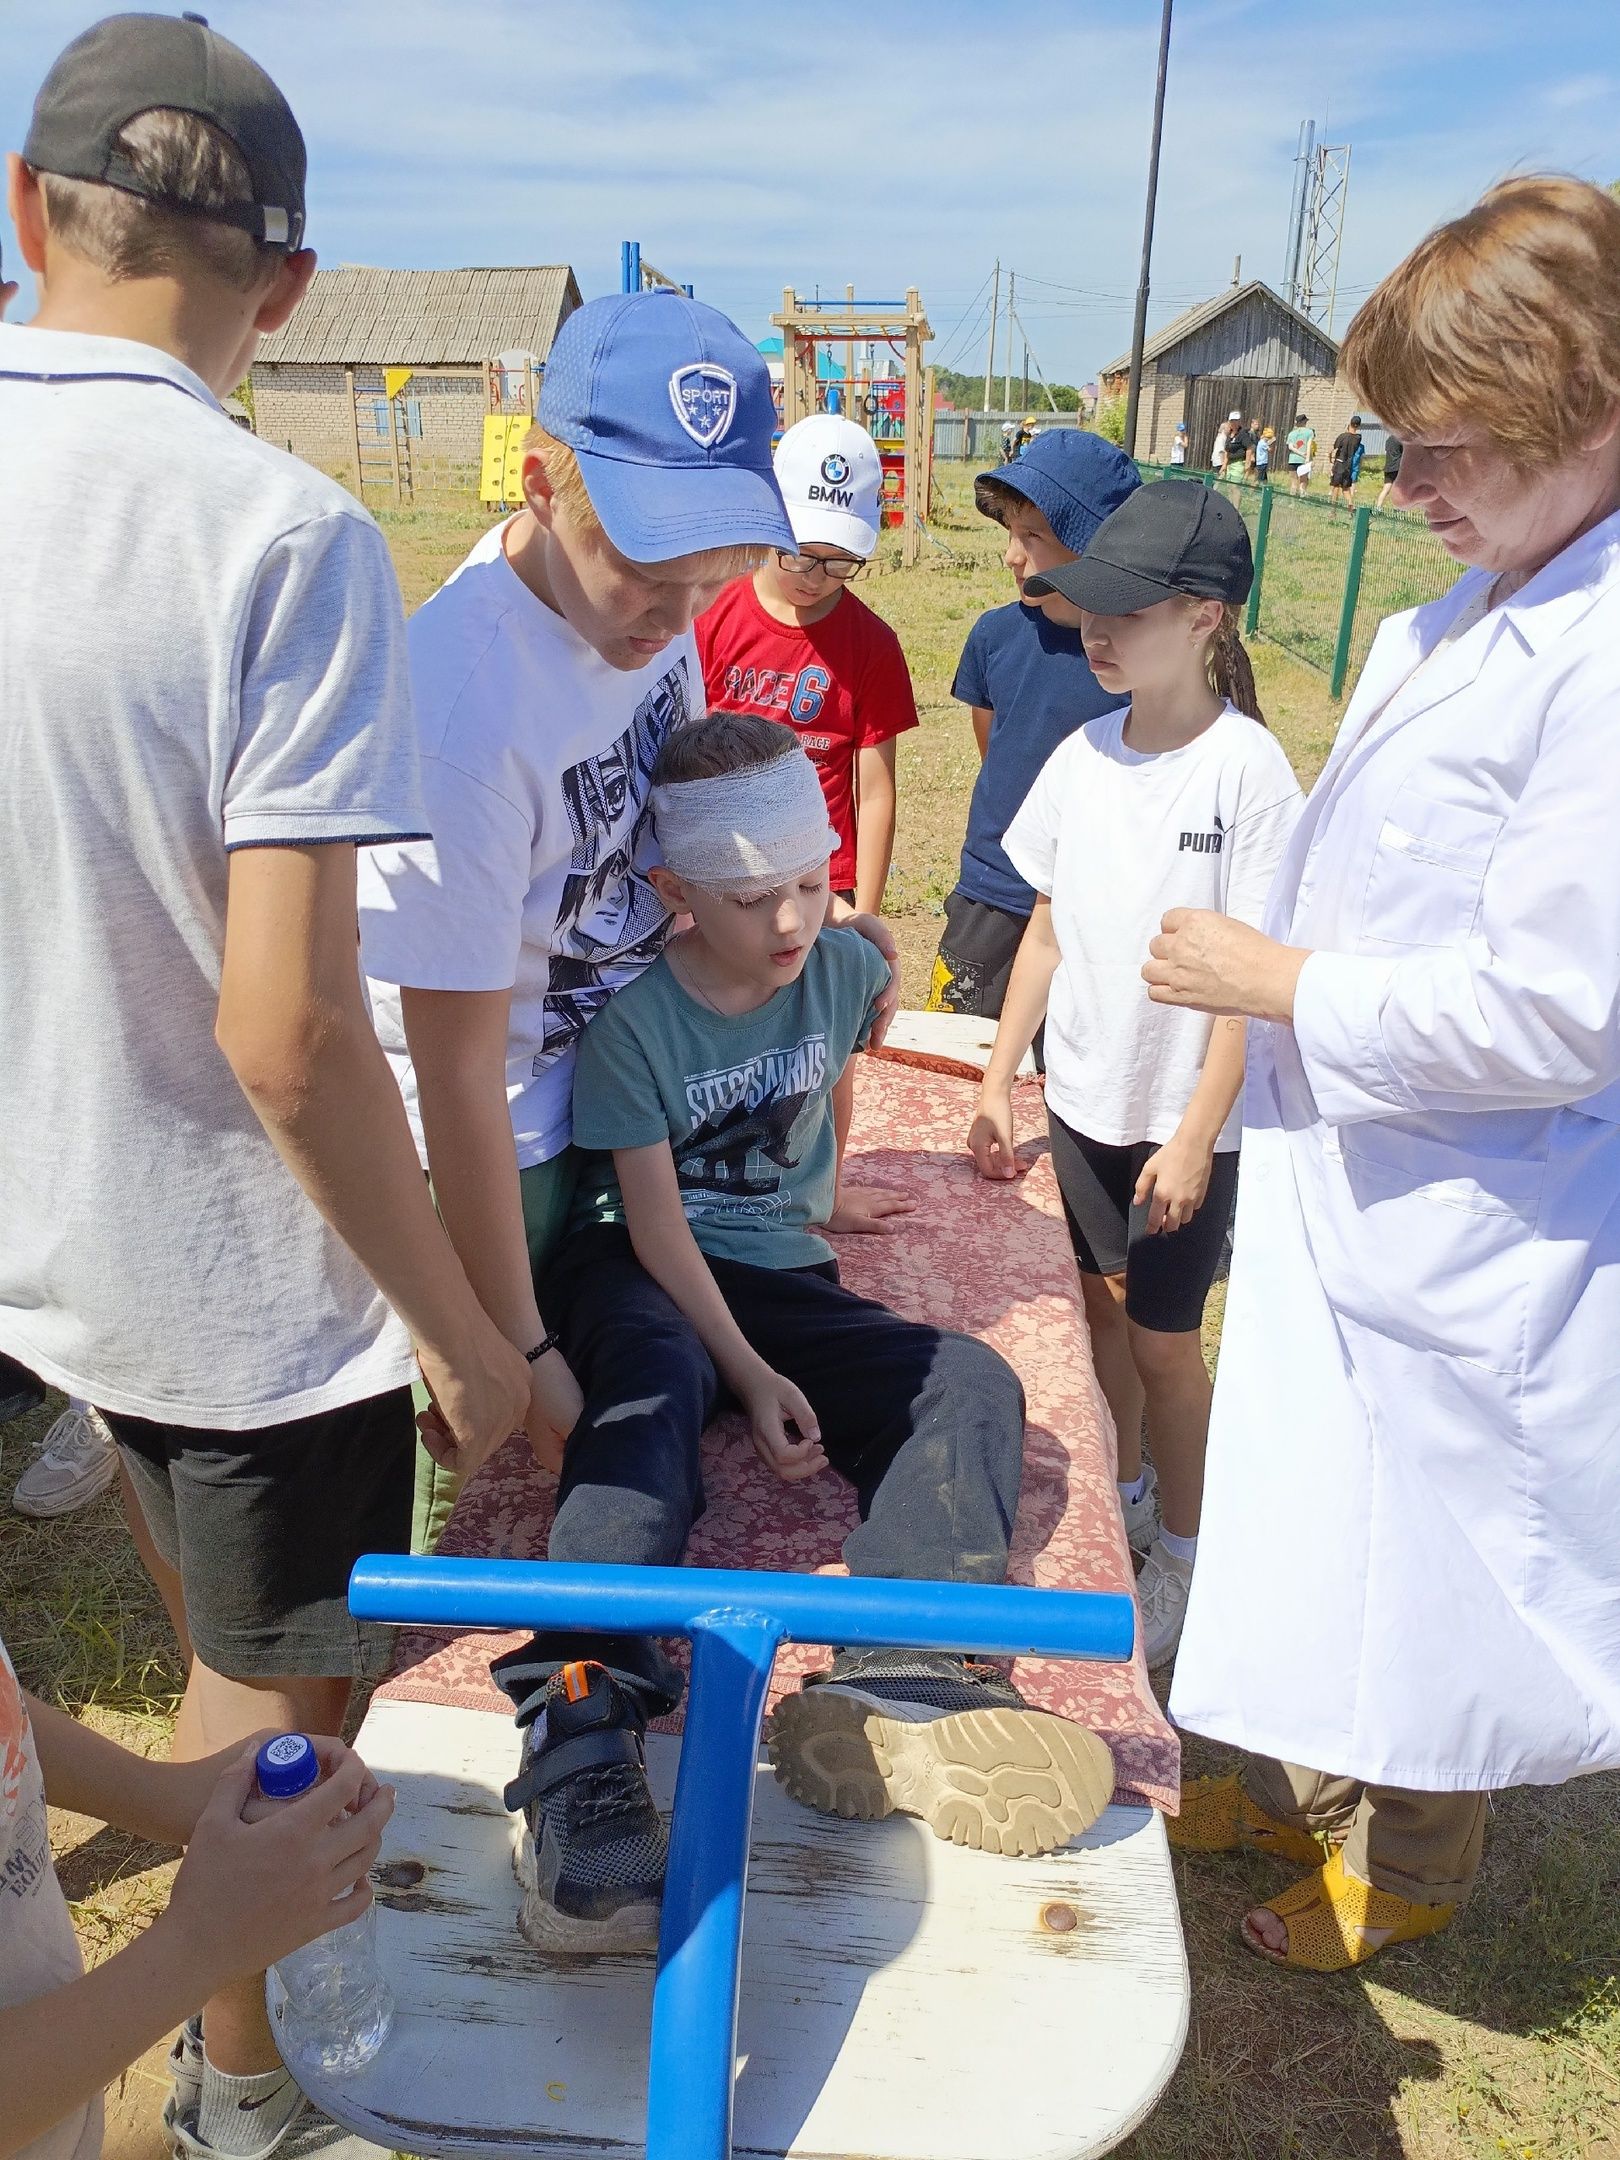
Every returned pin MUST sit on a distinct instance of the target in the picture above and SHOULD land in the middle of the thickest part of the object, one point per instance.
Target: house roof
(1181, 327)
(425, 318)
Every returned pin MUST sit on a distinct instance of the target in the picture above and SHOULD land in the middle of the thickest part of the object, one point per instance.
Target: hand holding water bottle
(249, 1893)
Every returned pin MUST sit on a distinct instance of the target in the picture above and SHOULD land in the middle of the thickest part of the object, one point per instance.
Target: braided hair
(1230, 673)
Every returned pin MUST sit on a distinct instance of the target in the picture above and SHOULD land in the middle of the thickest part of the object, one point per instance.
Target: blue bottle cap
(286, 1766)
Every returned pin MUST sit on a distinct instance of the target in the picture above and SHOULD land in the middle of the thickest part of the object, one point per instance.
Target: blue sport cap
(668, 409)
(1074, 478)
(286, 1766)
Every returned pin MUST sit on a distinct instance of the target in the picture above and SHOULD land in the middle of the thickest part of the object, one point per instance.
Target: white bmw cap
(832, 482)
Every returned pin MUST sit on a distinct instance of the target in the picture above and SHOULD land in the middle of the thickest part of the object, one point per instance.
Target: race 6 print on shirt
(841, 684)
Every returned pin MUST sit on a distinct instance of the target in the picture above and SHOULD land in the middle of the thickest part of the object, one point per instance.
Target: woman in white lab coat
(1409, 1576)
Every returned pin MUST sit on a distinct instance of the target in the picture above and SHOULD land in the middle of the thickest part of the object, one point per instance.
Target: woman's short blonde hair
(1508, 318)
(570, 494)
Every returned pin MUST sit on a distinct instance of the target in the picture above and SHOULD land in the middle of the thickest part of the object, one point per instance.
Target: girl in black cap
(1176, 791)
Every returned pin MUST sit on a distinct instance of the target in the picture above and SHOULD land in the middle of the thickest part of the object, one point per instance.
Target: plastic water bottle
(333, 2009)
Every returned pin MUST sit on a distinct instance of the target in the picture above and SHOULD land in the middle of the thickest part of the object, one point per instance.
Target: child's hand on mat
(248, 1893)
(1176, 1177)
(555, 1404)
(990, 1136)
(784, 1429)
(870, 1209)
(477, 1401)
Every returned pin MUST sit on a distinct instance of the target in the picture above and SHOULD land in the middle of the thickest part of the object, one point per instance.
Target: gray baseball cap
(132, 64)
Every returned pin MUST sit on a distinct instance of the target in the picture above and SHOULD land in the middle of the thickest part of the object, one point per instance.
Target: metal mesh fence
(1405, 566)
(1316, 601)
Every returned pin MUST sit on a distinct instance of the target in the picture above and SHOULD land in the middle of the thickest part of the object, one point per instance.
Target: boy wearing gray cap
(214, 1213)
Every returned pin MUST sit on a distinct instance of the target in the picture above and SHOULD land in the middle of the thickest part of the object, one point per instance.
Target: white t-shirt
(536, 763)
(201, 648)
(1115, 838)
(38, 1948)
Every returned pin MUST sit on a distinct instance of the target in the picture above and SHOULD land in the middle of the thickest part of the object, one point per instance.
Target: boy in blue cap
(1029, 687)
(547, 674)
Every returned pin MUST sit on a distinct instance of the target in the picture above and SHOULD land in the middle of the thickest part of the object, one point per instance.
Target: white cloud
(749, 148)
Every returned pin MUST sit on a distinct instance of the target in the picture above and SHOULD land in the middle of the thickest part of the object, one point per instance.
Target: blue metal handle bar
(736, 1621)
(858, 1611)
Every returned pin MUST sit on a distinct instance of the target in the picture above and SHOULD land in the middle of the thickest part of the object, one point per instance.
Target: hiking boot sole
(995, 1780)
(632, 1928)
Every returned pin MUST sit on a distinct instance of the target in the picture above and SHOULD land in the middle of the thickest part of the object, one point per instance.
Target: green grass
(1499, 2038)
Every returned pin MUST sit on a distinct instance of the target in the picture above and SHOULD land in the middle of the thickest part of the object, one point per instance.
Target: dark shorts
(976, 956)
(1167, 1277)
(263, 1527)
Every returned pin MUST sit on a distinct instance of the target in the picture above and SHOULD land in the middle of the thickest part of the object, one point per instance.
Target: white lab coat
(1409, 1570)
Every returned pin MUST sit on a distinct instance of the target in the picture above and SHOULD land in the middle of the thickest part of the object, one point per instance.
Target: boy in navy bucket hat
(1029, 687)
(547, 673)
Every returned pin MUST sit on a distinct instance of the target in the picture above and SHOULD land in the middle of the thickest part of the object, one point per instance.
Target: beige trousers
(1422, 1846)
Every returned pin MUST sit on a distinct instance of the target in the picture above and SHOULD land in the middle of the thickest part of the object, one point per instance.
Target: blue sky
(898, 142)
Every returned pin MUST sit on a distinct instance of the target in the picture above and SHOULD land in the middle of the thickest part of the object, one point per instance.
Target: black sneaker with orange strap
(593, 1847)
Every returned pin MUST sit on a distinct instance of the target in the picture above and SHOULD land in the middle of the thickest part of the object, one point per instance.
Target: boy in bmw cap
(547, 673)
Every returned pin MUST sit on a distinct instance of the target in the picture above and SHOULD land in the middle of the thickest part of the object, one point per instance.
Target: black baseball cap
(1172, 536)
(132, 64)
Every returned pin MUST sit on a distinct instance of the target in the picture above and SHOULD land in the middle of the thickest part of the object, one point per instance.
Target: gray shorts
(263, 1528)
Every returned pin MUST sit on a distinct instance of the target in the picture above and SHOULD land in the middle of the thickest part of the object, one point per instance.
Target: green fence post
(1352, 592)
(1251, 621)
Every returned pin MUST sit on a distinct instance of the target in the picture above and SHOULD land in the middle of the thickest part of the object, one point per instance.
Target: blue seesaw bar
(735, 1621)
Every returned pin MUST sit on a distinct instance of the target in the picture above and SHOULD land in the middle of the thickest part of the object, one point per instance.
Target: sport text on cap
(133, 64)
(668, 409)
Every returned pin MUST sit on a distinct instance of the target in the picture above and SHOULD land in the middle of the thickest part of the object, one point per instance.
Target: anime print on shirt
(610, 922)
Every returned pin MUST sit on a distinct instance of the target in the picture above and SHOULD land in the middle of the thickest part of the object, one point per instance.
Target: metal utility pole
(990, 356)
(1133, 395)
(1304, 158)
(1006, 381)
(1328, 191)
(1030, 360)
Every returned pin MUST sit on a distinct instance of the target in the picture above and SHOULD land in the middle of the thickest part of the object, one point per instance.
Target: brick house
(386, 375)
(1244, 351)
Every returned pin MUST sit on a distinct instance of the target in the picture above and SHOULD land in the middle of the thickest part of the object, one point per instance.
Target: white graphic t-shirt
(1116, 837)
(537, 758)
(38, 1949)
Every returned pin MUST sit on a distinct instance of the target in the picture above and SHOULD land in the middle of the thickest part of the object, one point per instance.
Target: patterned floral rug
(992, 1260)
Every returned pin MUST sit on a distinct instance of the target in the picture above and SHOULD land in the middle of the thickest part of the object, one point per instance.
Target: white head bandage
(747, 833)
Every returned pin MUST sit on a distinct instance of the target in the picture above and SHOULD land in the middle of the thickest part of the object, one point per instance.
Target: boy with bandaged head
(694, 1277)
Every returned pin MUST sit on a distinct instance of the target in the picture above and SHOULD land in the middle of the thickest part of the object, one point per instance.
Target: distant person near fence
(1301, 454)
(1392, 469)
(1347, 454)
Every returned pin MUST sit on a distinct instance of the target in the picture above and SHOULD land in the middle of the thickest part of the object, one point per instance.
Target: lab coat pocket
(1428, 1242)
(1428, 870)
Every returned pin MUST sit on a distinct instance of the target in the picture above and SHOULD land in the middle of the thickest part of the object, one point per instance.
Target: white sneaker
(77, 1461)
(1161, 1603)
(1142, 1516)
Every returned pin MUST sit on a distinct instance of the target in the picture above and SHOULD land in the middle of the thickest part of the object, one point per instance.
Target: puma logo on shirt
(1204, 843)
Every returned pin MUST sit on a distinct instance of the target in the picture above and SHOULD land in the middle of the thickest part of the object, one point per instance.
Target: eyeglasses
(840, 568)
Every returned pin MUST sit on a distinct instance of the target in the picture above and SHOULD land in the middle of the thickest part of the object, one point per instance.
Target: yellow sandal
(1218, 1816)
(1335, 1922)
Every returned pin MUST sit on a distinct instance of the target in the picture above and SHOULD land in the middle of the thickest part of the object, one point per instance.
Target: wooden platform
(899, 1997)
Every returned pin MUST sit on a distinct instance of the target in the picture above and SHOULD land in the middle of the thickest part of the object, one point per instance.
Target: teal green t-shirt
(743, 1099)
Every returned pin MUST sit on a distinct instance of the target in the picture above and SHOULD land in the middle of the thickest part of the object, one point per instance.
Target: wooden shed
(1244, 351)
(383, 377)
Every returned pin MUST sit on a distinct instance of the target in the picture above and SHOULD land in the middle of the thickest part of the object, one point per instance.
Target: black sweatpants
(926, 1425)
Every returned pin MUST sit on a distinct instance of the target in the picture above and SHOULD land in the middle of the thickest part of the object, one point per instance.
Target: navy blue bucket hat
(1074, 478)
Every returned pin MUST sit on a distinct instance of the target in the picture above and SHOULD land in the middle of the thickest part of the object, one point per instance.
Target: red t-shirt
(840, 684)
